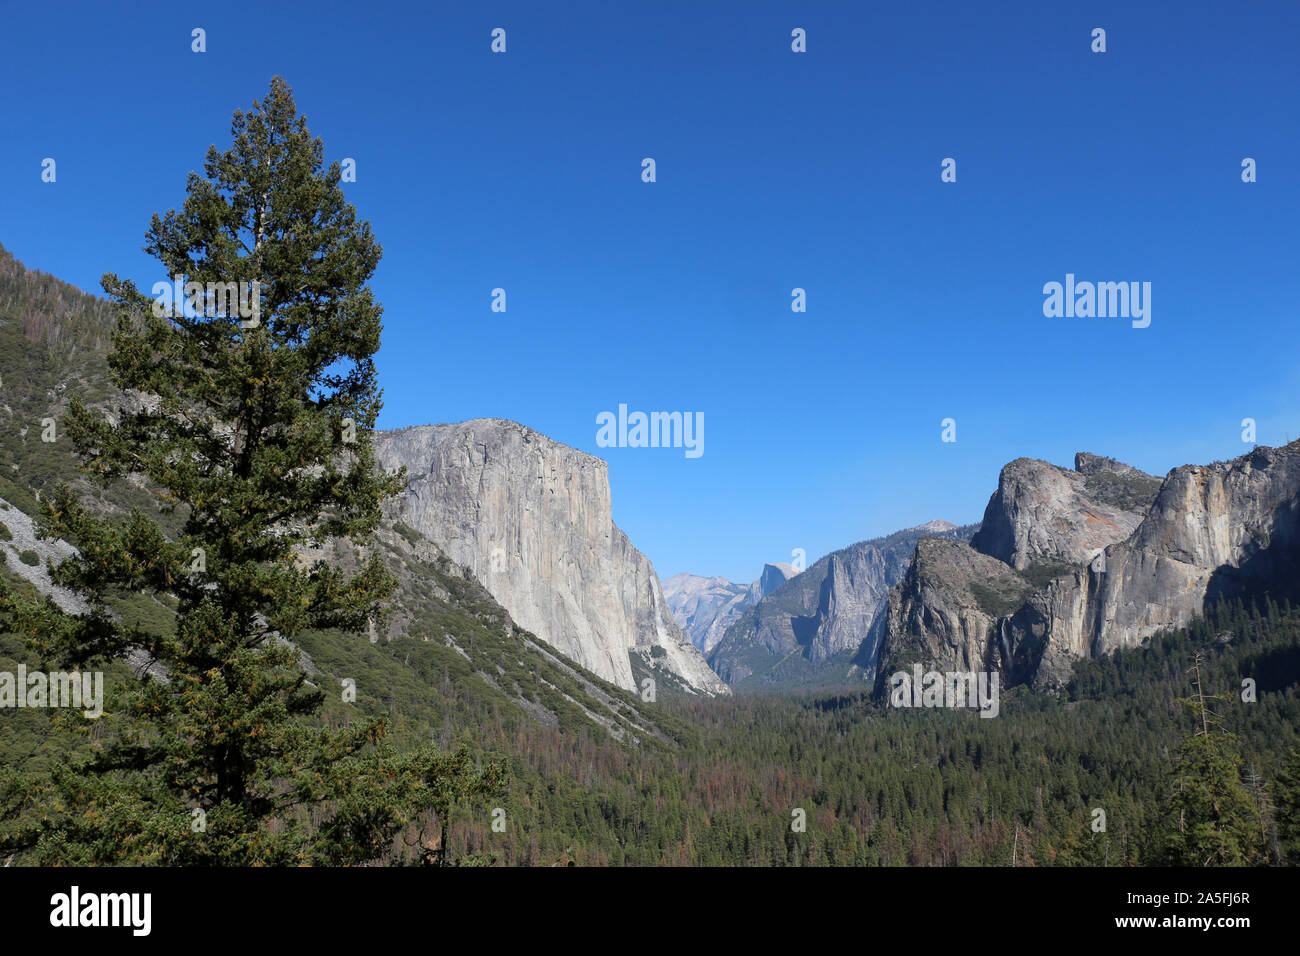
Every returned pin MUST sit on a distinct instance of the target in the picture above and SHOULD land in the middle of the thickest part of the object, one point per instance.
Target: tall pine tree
(1213, 820)
(251, 421)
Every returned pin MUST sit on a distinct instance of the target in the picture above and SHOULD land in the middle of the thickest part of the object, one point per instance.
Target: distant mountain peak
(808, 629)
(937, 525)
(704, 606)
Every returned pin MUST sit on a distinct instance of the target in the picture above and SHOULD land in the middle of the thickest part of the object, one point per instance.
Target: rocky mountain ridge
(813, 627)
(1070, 565)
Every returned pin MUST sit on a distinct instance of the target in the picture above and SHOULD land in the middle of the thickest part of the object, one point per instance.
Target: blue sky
(775, 170)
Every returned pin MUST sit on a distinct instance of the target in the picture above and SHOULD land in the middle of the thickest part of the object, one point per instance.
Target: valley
(527, 628)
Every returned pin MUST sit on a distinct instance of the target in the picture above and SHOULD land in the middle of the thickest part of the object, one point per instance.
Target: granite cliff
(1041, 511)
(1214, 531)
(531, 519)
(1076, 564)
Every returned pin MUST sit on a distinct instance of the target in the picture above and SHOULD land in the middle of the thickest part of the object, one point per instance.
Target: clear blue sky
(775, 170)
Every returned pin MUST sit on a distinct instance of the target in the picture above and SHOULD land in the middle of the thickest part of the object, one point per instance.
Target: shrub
(1040, 572)
(996, 602)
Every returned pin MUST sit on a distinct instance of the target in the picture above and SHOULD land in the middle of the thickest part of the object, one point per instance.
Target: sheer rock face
(531, 519)
(1041, 511)
(855, 585)
(1212, 531)
(825, 609)
(773, 576)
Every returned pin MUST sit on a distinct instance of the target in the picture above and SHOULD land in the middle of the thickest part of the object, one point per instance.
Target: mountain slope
(456, 643)
(812, 628)
(52, 347)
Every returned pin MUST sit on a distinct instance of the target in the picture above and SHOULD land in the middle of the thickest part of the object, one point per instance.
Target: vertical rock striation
(1068, 582)
(531, 518)
(1041, 511)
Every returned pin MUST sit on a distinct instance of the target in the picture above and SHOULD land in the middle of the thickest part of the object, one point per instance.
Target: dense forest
(918, 787)
(877, 786)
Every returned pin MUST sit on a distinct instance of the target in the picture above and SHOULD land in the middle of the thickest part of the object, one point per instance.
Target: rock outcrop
(22, 537)
(1214, 531)
(946, 609)
(773, 576)
(1088, 464)
(1042, 512)
(1039, 597)
(531, 519)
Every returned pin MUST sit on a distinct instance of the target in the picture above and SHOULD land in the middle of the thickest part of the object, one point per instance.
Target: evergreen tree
(1264, 814)
(1213, 818)
(1286, 795)
(252, 427)
(1083, 846)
